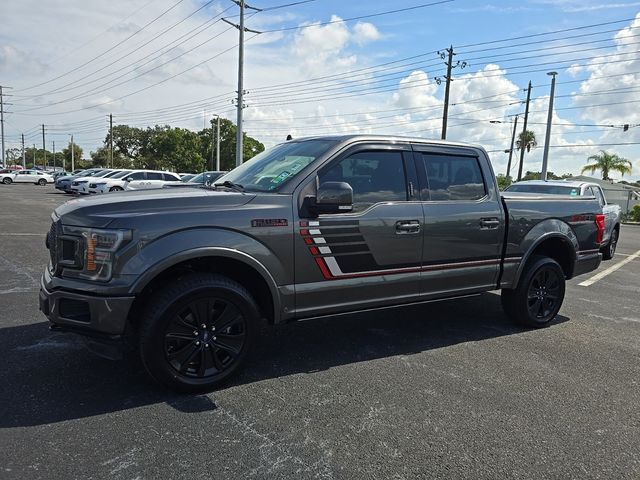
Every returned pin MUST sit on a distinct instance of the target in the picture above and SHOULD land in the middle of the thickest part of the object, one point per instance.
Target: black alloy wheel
(42, 182)
(544, 293)
(205, 337)
(196, 332)
(610, 250)
(537, 298)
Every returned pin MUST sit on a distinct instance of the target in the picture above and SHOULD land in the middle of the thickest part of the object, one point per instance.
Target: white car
(81, 184)
(151, 179)
(27, 176)
(110, 183)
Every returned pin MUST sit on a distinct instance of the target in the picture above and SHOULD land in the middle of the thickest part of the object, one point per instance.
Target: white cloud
(364, 32)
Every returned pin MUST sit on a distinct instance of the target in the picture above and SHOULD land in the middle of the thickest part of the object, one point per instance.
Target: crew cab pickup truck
(311, 227)
(612, 212)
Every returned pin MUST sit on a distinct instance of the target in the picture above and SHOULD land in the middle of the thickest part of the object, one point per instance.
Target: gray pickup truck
(309, 228)
(612, 212)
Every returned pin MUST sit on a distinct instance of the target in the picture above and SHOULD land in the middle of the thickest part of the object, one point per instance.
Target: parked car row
(102, 180)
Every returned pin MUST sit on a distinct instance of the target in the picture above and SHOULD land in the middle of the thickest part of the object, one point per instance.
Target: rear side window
(169, 177)
(136, 176)
(154, 176)
(453, 178)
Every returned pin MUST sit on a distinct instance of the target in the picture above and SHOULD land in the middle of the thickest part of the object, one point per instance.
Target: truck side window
(453, 178)
(375, 176)
(599, 196)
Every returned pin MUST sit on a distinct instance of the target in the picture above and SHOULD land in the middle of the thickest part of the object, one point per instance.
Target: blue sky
(366, 86)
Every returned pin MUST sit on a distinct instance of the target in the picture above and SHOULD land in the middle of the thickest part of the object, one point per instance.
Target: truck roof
(348, 138)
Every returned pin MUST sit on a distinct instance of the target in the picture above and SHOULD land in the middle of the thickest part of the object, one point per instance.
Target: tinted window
(453, 178)
(121, 174)
(136, 176)
(588, 192)
(169, 177)
(374, 177)
(154, 176)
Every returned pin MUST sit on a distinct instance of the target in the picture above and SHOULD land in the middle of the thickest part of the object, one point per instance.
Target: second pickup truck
(311, 227)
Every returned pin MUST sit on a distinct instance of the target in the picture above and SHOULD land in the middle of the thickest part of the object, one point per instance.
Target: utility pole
(217, 144)
(239, 102)
(212, 140)
(54, 155)
(73, 167)
(524, 129)
(445, 112)
(34, 154)
(24, 160)
(2, 124)
(547, 139)
(513, 138)
(44, 151)
(111, 140)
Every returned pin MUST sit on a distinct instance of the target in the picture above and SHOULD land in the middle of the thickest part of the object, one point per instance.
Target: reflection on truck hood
(100, 211)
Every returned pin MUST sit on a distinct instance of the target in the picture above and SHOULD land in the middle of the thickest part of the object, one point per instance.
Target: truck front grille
(52, 245)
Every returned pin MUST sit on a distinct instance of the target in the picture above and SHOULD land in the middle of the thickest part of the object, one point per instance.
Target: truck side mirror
(334, 197)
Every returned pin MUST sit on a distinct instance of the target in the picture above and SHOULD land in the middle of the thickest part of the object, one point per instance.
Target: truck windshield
(269, 170)
(550, 189)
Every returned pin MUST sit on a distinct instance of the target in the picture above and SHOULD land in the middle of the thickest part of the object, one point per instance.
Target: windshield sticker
(280, 178)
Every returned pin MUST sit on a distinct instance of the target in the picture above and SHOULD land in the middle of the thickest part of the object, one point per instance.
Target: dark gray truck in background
(311, 227)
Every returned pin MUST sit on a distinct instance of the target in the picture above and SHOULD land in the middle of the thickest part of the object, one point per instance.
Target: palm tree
(606, 162)
(526, 140)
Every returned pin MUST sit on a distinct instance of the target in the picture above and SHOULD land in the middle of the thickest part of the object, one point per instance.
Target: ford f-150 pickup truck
(311, 227)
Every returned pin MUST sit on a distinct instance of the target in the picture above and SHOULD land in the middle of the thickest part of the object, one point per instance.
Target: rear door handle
(404, 227)
(489, 223)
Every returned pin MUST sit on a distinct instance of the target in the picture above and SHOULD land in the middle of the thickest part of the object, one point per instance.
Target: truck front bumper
(101, 320)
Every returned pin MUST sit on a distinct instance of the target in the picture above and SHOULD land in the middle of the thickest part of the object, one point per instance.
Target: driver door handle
(404, 227)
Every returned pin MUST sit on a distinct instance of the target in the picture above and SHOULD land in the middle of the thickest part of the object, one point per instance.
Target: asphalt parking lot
(447, 390)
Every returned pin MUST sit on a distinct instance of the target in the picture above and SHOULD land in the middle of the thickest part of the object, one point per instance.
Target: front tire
(116, 189)
(610, 250)
(7, 181)
(196, 332)
(42, 182)
(537, 299)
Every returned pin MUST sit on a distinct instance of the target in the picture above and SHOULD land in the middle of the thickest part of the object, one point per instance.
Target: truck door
(464, 224)
(370, 256)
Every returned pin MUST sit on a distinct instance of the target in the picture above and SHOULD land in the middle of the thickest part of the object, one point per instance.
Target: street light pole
(513, 138)
(545, 155)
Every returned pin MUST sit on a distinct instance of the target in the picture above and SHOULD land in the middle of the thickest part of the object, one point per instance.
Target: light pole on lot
(545, 155)
(72, 154)
(513, 138)
(217, 140)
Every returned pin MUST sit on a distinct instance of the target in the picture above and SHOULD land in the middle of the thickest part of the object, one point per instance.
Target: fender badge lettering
(270, 222)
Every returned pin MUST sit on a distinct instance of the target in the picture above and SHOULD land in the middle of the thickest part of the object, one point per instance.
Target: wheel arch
(554, 245)
(234, 264)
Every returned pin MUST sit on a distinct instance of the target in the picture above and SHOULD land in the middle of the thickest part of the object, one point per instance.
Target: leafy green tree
(228, 132)
(550, 175)
(607, 162)
(503, 181)
(77, 155)
(102, 158)
(176, 149)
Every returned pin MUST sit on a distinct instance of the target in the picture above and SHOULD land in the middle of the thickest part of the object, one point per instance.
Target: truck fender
(174, 249)
(542, 232)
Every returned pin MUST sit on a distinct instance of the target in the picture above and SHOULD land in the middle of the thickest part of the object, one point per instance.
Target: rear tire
(610, 249)
(42, 182)
(116, 189)
(195, 333)
(537, 299)
(7, 181)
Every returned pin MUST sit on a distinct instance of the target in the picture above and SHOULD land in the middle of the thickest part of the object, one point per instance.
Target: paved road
(450, 390)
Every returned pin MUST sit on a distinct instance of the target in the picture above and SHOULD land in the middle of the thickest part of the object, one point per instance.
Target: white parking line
(611, 269)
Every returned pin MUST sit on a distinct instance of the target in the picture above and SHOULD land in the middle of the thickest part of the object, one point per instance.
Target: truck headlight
(99, 247)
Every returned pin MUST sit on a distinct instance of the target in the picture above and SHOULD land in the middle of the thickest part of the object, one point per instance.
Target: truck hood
(100, 211)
